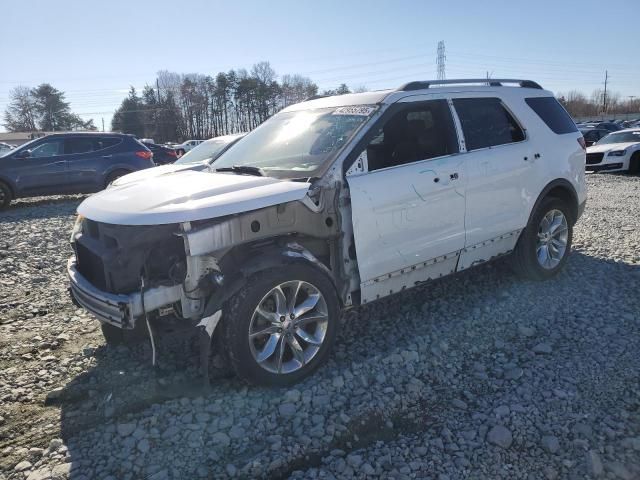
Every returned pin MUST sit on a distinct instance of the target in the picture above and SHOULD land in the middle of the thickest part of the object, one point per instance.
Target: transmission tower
(440, 60)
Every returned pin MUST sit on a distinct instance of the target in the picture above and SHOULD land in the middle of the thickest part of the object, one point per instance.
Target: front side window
(486, 123)
(419, 131)
(46, 149)
(297, 144)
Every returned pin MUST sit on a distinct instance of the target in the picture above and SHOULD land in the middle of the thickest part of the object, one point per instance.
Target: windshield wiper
(242, 169)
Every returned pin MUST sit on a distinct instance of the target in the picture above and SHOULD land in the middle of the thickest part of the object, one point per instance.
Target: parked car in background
(200, 158)
(592, 135)
(611, 126)
(65, 163)
(4, 148)
(330, 204)
(161, 154)
(618, 151)
(184, 147)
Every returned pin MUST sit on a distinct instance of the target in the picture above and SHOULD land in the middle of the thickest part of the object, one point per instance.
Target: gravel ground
(481, 375)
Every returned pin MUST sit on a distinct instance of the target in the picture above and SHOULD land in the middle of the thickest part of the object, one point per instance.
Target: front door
(43, 171)
(408, 204)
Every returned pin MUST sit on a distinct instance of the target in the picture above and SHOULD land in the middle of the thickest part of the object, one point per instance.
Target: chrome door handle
(107, 156)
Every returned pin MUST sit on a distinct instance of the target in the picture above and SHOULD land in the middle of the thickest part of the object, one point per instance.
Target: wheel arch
(562, 189)
(243, 261)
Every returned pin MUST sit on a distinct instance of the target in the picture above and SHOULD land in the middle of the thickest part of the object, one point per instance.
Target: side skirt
(438, 267)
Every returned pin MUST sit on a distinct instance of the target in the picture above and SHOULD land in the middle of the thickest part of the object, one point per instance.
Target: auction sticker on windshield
(363, 110)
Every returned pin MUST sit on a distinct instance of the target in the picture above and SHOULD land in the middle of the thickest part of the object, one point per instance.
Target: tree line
(42, 108)
(599, 103)
(177, 107)
(180, 106)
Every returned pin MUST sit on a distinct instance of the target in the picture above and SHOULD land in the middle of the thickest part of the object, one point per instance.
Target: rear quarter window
(553, 114)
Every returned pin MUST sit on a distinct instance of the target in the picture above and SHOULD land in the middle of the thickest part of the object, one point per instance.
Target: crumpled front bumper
(119, 310)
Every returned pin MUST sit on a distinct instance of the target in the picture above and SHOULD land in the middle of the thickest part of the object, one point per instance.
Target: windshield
(297, 144)
(620, 137)
(206, 150)
(24, 146)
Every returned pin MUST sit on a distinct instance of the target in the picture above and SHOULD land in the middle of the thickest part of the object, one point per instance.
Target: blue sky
(94, 51)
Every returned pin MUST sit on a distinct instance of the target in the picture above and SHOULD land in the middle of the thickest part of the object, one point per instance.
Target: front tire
(5, 196)
(545, 243)
(112, 335)
(281, 326)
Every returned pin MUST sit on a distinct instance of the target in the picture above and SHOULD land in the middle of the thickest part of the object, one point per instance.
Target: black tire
(113, 176)
(5, 196)
(239, 310)
(112, 335)
(634, 164)
(524, 258)
(180, 152)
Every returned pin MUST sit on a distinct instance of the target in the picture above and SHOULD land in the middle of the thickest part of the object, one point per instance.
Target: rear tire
(113, 176)
(180, 152)
(248, 334)
(543, 249)
(5, 196)
(634, 164)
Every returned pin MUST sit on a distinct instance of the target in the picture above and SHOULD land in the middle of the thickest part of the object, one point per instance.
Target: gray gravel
(481, 375)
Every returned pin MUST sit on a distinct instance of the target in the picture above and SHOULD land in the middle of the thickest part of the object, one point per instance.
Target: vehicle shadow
(121, 383)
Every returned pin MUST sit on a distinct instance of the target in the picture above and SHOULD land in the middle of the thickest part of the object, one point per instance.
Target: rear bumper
(118, 309)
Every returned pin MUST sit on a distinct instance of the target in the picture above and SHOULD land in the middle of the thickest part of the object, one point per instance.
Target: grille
(90, 266)
(113, 257)
(594, 158)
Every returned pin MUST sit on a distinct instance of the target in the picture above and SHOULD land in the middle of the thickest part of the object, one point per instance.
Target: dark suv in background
(65, 163)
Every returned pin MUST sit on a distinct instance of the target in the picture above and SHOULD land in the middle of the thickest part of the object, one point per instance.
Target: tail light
(582, 143)
(146, 154)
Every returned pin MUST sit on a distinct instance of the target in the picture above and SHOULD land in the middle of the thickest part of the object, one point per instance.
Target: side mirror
(24, 154)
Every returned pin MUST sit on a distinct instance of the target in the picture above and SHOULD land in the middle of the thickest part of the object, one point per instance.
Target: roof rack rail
(315, 97)
(493, 82)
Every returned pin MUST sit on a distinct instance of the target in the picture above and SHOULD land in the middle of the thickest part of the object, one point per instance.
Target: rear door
(87, 158)
(44, 171)
(499, 161)
(408, 204)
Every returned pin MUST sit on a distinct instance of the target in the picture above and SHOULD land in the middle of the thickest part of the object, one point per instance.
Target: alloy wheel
(553, 236)
(288, 327)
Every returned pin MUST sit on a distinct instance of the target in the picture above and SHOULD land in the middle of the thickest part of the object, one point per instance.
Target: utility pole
(103, 124)
(604, 97)
(440, 60)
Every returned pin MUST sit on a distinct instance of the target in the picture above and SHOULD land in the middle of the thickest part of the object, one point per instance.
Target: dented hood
(185, 196)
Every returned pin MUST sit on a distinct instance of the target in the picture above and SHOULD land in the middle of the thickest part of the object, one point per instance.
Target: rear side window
(101, 143)
(78, 145)
(553, 114)
(486, 123)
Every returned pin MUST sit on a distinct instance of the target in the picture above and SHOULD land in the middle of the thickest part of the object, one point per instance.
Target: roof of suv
(421, 88)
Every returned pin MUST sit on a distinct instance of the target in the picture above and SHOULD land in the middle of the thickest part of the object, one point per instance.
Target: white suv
(330, 204)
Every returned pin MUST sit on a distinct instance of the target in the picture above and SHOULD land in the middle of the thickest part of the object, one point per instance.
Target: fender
(559, 183)
(260, 259)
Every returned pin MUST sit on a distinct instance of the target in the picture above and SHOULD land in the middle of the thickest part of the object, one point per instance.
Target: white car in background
(619, 151)
(199, 158)
(185, 146)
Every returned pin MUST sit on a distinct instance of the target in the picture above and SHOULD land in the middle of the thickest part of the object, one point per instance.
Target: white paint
(402, 217)
(187, 196)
